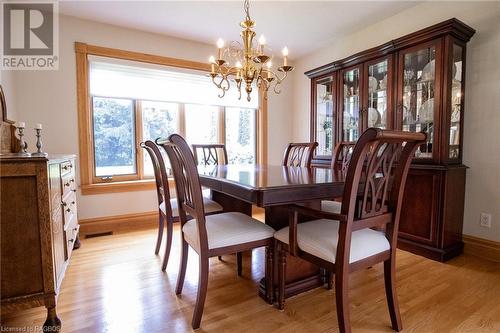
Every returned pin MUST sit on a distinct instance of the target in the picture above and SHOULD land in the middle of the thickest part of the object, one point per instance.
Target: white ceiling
(303, 26)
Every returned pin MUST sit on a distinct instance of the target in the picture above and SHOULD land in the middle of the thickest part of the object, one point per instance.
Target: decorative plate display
(383, 83)
(372, 84)
(428, 71)
(373, 117)
(426, 111)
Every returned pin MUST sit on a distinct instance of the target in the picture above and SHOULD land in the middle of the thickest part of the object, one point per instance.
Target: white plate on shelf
(383, 83)
(372, 84)
(428, 71)
(373, 117)
(426, 111)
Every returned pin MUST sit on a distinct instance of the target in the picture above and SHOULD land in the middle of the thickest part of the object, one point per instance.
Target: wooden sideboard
(39, 230)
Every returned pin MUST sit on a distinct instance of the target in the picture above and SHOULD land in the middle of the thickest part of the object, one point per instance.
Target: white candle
(38, 126)
(285, 56)
(262, 42)
(220, 45)
(21, 124)
(211, 60)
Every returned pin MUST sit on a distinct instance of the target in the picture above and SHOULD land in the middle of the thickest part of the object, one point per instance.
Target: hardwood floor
(114, 284)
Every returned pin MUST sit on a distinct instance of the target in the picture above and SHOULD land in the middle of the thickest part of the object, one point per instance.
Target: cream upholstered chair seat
(331, 206)
(210, 206)
(320, 238)
(227, 229)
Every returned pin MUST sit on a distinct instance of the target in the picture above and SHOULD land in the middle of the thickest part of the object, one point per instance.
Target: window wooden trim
(86, 155)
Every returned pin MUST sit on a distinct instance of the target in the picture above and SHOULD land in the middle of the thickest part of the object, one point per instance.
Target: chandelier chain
(246, 6)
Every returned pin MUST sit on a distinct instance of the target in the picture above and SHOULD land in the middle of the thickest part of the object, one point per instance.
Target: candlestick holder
(22, 143)
(39, 151)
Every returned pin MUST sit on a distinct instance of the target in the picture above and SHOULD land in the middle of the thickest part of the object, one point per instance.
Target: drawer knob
(72, 202)
(66, 184)
(68, 210)
(74, 191)
(64, 203)
(71, 240)
(72, 180)
(75, 229)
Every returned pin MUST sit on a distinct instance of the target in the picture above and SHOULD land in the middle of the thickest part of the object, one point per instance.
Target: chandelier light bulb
(211, 59)
(220, 43)
(285, 51)
(269, 64)
(238, 64)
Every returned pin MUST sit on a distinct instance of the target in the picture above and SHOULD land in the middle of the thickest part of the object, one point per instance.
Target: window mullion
(222, 124)
(182, 120)
(138, 139)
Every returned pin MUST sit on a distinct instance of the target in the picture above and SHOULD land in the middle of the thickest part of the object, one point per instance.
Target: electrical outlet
(485, 220)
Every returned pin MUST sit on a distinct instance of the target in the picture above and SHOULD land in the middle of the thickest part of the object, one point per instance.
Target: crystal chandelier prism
(247, 63)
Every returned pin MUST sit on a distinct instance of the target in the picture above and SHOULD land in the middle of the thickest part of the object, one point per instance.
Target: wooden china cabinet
(413, 83)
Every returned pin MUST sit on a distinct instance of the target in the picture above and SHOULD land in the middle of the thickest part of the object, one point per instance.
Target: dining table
(274, 188)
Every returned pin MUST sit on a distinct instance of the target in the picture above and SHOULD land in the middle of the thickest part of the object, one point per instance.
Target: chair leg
(330, 277)
(161, 226)
(269, 274)
(202, 293)
(342, 300)
(220, 258)
(239, 260)
(392, 296)
(281, 276)
(182, 266)
(168, 245)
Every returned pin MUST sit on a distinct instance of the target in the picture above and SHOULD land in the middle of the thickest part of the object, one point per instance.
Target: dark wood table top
(267, 185)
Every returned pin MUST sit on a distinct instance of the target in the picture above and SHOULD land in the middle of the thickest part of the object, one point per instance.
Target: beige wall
(7, 82)
(49, 97)
(482, 110)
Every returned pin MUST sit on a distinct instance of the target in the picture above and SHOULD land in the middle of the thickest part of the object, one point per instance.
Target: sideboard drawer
(71, 235)
(66, 168)
(69, 207)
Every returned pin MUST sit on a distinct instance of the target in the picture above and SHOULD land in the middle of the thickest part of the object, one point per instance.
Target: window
(133, 101)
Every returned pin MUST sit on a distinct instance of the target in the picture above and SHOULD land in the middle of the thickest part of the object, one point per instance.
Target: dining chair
(210, 154)
(167, 207)
(345, 242)
(340, 162)
(299, 154)
(215, 154)
(212, 235)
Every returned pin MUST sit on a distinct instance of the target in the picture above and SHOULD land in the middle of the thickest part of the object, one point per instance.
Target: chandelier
(247, 63)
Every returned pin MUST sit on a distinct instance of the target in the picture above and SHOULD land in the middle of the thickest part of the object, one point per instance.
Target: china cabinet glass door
(377, 94)
(351, 104)
(324, 116)
(456, 101)
(418, 78)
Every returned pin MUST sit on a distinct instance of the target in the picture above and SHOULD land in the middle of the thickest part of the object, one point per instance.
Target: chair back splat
(375, 180)
(299, 154)
(342, 156)
(210, 154)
